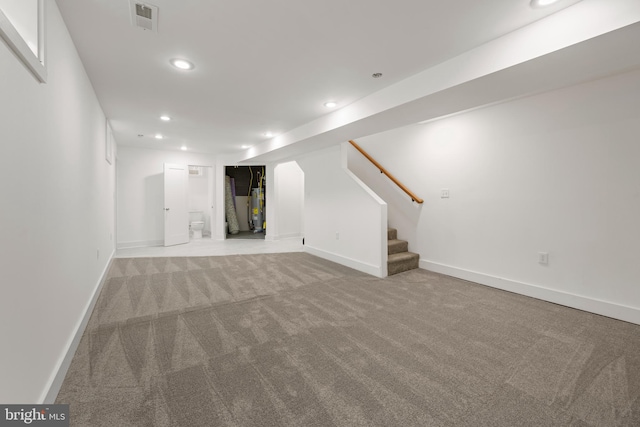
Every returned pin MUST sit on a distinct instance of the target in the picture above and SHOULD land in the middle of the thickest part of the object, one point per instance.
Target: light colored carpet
(294, 340)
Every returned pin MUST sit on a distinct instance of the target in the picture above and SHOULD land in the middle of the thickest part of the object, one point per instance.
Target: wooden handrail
(414, 198)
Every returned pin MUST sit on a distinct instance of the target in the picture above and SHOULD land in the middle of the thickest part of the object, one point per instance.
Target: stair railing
(414, 198)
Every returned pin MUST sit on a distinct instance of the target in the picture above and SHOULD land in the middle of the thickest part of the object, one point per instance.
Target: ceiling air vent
(144, 16)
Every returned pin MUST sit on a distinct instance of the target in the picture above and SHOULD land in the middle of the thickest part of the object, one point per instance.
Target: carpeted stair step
(399, 258)
(392, 234)
(404, 261)
(396, 246)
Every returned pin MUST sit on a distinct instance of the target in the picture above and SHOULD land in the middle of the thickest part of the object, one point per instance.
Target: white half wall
(58, 209)
(344, 221)
(556, 173)
(141, 192)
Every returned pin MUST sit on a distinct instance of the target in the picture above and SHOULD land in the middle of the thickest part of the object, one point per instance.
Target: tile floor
(211, 247)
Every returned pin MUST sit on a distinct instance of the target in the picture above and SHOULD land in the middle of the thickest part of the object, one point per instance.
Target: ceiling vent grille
(144, 16)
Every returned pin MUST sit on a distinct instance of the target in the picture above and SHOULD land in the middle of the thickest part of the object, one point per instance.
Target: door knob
(166, 209)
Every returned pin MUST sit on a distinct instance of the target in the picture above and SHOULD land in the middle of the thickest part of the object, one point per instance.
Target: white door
(176, 214)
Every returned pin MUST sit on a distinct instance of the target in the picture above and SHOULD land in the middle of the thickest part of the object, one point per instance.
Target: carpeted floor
(294, 340)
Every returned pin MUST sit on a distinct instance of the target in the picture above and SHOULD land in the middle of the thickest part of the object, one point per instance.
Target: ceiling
(266, 66)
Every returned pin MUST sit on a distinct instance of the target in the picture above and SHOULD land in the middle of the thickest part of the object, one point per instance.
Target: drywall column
(219, 231)
(272, 207)
(285, 190)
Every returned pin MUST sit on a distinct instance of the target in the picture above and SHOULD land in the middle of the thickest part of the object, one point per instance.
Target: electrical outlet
(444, 193)
(97, 253)
(543, 258)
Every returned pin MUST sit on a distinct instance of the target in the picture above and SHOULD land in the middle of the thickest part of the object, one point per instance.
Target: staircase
(400, 259)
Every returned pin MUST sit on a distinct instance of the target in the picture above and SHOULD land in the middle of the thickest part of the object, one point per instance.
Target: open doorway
(245, 202)
(200, 201)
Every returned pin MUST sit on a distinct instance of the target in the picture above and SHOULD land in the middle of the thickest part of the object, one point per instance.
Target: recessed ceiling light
(182, 64)
(165, 118)
(268, 134)
(542, 3)
(158, 136)
(330, 104)
(244, 147)
(183, 148)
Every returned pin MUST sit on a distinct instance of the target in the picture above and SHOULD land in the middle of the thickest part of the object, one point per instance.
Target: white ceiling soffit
(587, 41)
(144, 16)
(271, 65)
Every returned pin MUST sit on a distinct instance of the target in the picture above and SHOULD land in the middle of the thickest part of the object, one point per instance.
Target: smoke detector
(144, 16)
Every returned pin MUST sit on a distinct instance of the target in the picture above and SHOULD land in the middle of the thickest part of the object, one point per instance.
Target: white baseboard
(271, 238)
(63, 367)
(348, 262)
(604, 308)
(140, 244)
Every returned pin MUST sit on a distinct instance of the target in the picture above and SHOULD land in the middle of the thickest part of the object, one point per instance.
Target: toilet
(196, 223)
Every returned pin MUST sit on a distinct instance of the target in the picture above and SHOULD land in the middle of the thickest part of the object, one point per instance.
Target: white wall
(141, 192)
(343, 220)
(557, 172)
(57, 216)
(285, 201)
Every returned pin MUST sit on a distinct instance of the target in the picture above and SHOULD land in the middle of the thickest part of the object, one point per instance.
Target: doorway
(245, 202)
(188, 203)
(200, 201)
